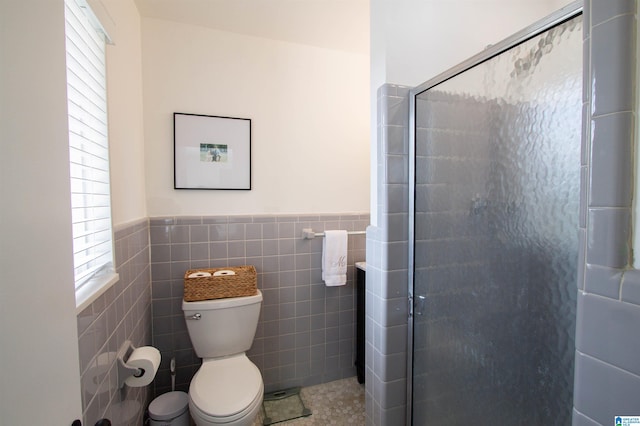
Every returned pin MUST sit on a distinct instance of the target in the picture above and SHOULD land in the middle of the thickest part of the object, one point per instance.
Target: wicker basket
(243, 283)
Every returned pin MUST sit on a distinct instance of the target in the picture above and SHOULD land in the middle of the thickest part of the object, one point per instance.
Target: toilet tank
(222, 327)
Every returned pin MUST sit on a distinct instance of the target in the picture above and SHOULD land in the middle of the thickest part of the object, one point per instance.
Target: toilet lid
(225, 387)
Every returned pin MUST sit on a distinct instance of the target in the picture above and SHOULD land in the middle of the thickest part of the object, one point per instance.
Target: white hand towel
(334, 258)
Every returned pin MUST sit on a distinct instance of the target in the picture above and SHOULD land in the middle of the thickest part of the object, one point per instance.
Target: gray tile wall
(607, 369)
(122, 313)
(387, 263)
(306, 333)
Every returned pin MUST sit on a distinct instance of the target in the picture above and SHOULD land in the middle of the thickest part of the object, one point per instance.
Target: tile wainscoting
(306, 333)
(122, 313)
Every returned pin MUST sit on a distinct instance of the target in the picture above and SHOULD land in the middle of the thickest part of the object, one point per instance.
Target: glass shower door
(497, 193)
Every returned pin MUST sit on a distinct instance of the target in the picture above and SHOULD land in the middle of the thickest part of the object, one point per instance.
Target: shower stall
(495, 178)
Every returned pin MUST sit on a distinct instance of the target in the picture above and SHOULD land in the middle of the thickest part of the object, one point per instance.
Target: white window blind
(88, 146)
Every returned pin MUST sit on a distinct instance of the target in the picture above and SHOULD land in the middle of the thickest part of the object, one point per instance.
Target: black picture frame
(211, 152)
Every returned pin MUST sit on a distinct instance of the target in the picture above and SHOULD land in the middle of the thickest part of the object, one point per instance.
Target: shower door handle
(419, 304)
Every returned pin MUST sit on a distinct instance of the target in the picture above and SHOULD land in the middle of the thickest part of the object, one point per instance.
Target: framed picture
(211, 152)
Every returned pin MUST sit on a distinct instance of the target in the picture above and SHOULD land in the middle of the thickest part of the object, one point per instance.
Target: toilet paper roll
(223, 272)
(199, 274)
(146, 358)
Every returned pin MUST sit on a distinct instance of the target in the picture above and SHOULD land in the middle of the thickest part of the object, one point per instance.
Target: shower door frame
(566, 13)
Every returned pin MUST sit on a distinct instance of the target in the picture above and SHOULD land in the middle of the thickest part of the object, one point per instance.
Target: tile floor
(336, 403)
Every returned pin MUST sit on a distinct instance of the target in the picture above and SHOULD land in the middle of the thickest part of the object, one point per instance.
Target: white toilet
(228, 388)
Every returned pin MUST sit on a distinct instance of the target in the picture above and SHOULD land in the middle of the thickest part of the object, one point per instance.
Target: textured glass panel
(496, 242)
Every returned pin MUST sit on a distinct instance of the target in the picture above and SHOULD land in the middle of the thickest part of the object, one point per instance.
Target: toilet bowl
(226, 391)
(228, 388)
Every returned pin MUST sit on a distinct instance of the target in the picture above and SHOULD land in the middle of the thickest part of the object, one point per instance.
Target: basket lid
(229, 302)
(237, 270)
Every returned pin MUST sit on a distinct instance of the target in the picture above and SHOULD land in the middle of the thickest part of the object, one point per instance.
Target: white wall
(424, 38)
(636, 193)
(309, 108)
(38, 335)
(38, 327)
(412, 41)
(126, 133)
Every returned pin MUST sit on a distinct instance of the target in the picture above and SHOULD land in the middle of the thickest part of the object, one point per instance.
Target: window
(88, 153)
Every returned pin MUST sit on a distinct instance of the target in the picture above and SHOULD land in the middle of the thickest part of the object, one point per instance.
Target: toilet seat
(225, 390)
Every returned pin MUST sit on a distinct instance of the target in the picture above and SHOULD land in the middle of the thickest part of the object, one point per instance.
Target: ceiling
(332, 24)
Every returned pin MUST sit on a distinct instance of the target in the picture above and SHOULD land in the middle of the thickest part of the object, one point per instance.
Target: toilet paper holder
(125, 371)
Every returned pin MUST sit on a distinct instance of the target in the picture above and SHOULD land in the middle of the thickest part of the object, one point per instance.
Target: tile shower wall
(306, 333)
(387, 263)
(607, 368)
(122, 313)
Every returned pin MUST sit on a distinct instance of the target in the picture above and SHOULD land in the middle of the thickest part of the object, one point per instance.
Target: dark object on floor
(361, 280)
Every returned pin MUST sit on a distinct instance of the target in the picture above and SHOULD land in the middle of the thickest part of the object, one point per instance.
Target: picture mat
(191, 131)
